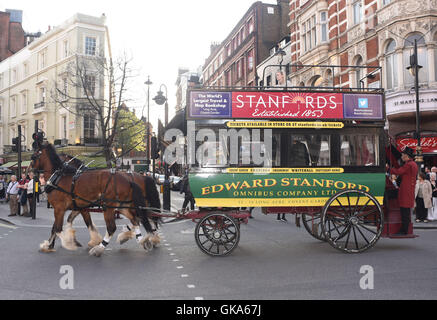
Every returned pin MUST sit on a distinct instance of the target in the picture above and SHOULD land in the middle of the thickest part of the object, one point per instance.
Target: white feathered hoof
(146, 243)
(45, 247)
(125, 236)
(156, 240)
(97, 251)
(68, 239)
(95, 239)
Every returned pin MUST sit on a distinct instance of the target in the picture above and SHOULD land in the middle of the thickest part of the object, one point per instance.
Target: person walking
(423, 195)
(406, 194)
(29, 192)
(12, 196)
(22, 199)
(432, 212)
(3, 187)
(185, 188)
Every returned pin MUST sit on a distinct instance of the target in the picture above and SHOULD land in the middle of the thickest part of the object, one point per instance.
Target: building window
(42, 59)
(65, 48)
(1, 81)
(357, 7)
(65, 87)
(324, 26)
(90, 85)
(422, 58)
(385, 2)
(14, 76)
(13, 106)
(250, 60)
(309, 34)
(90, 46)
(42, 94)
(25, 69)
(250, 25)
(240, 68)
(89, 124)
(1, 114)
(24, 103)
(391, 66)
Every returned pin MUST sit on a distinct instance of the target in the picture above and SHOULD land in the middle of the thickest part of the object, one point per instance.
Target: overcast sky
(160, 35)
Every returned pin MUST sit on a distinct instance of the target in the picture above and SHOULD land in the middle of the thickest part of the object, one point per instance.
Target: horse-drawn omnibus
(320, 154)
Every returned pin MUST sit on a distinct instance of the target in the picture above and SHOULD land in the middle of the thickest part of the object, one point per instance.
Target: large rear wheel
(352, 221)
(217, 234)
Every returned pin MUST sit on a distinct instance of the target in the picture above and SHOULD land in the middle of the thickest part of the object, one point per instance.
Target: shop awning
(14, 164)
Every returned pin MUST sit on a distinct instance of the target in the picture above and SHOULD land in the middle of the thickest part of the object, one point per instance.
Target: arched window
(391, 65)
(422, 56)
(316, 81)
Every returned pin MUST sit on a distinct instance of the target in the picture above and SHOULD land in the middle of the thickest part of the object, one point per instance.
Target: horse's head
(39, 156)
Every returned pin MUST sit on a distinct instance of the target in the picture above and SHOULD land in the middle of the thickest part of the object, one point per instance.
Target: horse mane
(56, 161)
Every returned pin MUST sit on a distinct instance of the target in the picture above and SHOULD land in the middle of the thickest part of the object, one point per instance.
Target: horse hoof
(45, 247)
(97, 251)
(125, 237)
(147, 245)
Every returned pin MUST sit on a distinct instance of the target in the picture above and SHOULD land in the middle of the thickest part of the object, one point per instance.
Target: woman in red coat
(406, 195)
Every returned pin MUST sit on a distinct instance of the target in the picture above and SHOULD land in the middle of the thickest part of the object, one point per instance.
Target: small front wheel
(217, 234)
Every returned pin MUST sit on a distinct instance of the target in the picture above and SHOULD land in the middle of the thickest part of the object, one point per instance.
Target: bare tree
(80, 93)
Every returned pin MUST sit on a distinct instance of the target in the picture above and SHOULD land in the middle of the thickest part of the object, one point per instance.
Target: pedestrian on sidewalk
(406, 196)
(3, 187)
(29, 191)
(423, 194)
(12, 196)
(22, 194)
(432, 212)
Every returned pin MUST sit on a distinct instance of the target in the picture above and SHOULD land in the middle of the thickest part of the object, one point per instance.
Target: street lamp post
(148, 83)
(414, 70)
(160, 99)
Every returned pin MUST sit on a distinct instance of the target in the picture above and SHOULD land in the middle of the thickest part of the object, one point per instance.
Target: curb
(7, 221)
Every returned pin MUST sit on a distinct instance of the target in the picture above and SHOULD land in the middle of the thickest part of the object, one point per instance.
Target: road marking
(191, 286)
(6, 226)
(179, 267)
(175, 260)
(184, 275)
(198, 298)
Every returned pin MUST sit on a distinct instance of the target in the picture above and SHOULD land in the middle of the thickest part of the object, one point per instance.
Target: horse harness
(53, 181)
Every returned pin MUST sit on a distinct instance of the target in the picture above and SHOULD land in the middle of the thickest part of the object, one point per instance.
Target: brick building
(233, 62)
(370, 33)
(12, 36)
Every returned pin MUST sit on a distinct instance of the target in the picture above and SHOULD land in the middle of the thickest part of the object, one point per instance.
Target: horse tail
(152, 194)
(140, 205)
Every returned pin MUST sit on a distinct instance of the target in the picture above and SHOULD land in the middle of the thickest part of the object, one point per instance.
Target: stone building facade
(29, 77)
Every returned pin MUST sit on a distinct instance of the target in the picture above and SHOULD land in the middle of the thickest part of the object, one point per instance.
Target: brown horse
(92, 188)
(148, 189)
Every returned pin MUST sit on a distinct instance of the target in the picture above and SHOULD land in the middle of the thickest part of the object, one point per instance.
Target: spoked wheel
(312, 223)
(217, 234)
(352, 221)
